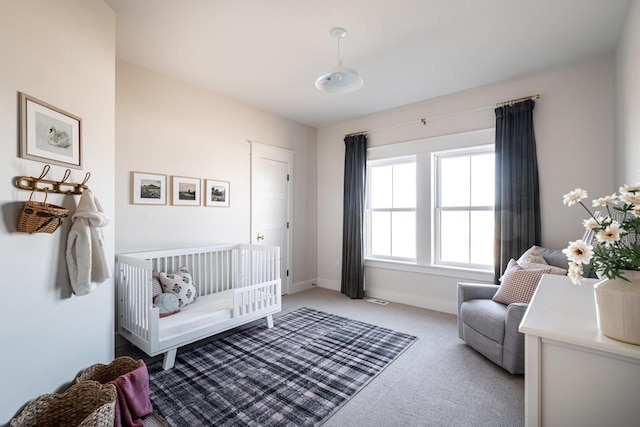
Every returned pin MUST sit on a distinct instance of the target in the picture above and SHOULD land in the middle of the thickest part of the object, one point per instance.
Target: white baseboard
(414, 300)
(334, 285)
(444, 306)
(302, 286)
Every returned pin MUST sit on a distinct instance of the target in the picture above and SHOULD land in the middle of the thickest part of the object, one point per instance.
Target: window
(430, 205)
(463, 207)
(391, 209)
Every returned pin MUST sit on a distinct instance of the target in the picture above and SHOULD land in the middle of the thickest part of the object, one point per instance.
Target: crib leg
(169, 359)
(269, 321)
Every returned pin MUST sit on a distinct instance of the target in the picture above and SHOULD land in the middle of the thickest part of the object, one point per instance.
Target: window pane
(454, 181)
(482, 237)
(404, 185)
(454, 236)
(404, 234)
(482, 182)
(380, 184)
(381, 233)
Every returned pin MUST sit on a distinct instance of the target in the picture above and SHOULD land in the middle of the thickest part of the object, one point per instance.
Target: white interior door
(271, 202)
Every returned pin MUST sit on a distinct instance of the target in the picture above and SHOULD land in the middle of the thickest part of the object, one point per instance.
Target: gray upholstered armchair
(491, 328)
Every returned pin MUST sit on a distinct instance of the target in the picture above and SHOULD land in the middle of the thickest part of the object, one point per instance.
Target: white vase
(618, 307)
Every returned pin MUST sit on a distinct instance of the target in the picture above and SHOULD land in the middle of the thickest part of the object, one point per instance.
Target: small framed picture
(148, 189)
(217, 193)
(49, 134)
(185, 191)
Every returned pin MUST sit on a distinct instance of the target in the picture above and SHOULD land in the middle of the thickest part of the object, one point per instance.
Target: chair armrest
(469, 291)
(513, 351)
(515, 313)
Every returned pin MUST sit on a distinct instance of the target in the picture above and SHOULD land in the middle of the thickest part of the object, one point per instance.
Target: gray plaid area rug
(296, 374)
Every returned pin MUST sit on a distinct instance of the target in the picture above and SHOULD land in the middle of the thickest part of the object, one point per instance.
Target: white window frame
(422, 150)
(370, 210)
(437, 208)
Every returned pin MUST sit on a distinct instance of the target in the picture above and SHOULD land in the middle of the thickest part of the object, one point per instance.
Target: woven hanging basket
(86, 404)
(41, 217)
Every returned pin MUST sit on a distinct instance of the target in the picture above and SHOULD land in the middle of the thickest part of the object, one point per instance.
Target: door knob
(260, 237)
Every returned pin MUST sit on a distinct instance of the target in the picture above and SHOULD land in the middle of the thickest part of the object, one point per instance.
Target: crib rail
(258, 264)
(256, 298)
(212, 270)
(253, 272)
(134, 301)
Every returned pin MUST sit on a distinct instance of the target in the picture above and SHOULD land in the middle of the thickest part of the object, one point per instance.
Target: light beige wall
(168, 127)
(574, 132)
(628, 100)
(61, 52)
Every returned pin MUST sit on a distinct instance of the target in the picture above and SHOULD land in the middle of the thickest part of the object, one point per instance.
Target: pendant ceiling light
(339, 79)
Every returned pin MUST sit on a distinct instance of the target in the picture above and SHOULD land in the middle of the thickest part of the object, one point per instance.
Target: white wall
(574, 133)
(61, 52)
(628, 99)
(168, 127)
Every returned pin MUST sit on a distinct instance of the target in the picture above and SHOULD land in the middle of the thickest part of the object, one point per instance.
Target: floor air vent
(378, 301)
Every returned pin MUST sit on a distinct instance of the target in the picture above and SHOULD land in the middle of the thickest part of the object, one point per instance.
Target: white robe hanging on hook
(86, 257)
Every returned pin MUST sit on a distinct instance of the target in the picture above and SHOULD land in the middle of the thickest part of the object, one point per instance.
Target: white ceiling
(267, 53)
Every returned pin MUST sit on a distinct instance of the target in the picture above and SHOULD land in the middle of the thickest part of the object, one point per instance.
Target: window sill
(458, 273)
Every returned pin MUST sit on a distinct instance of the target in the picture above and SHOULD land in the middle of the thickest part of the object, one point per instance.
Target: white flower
(615, 248)
(630, 198)
(579, 252)
(609, 235)
(605, 220)
(574, 196)
(590, 223)
(606, 200)
(629, 188)
(575, 272)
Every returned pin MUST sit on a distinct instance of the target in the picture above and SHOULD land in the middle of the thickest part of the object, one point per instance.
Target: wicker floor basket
(86, 404)
(106, 373)
(41, 217)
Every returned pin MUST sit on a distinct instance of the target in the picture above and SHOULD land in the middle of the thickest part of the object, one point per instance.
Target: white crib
(236, 284)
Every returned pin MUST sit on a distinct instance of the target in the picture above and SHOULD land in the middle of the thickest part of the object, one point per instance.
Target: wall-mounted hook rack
(62, 187)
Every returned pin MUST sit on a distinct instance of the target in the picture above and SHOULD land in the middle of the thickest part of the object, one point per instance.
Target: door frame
(269, 152)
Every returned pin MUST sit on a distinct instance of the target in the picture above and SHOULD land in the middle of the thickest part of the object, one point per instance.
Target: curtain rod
(424, 120)
(514, 101)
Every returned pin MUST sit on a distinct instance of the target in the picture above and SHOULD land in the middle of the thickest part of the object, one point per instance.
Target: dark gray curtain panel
(355, 169)
(517, 204)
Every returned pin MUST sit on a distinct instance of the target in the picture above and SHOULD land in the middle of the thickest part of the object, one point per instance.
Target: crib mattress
(207, 310)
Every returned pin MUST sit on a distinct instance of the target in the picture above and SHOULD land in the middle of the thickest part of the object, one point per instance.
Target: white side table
(574, 375)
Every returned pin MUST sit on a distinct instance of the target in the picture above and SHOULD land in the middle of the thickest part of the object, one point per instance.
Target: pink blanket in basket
(133, 402)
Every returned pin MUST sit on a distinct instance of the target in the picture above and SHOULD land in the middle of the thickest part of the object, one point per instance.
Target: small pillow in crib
(181, 285)
(156, 286)
(167, 303)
